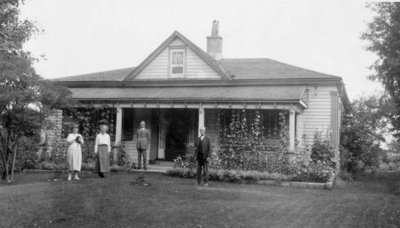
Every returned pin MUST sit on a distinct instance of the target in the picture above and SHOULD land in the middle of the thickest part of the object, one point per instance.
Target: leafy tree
(25, 98)
(394, 147)
(383, 35)
(362, 133)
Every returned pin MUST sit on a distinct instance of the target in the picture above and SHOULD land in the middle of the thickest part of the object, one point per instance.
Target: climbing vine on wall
(89, 120)
(244, 142)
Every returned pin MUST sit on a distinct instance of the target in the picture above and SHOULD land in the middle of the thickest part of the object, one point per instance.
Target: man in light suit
(203, 150)
(142, 143)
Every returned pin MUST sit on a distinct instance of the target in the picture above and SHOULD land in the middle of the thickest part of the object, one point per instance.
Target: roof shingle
(238, 68)
(263, 68)
(111, 75)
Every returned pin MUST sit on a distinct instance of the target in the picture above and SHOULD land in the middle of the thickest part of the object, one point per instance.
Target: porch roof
(202, 94)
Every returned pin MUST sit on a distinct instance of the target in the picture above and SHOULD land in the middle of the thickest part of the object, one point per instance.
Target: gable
(194, 66)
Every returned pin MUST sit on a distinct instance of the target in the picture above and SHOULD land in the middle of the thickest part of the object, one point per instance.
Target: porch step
(164, 163)
(154, 168)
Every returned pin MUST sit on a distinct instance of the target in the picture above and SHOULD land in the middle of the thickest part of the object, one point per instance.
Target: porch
(174, 127)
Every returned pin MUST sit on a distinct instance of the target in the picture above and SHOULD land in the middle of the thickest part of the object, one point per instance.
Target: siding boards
(177, 42)
(196, 68)
(317, 116)
(157, 69)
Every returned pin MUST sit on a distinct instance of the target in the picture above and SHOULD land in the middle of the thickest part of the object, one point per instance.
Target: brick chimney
(214, 42)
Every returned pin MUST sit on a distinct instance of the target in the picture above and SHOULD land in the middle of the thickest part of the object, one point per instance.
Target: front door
(177, 135)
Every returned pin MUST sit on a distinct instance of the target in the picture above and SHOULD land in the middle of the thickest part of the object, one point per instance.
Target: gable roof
(263, 68)
(256, 68)
(203, 55)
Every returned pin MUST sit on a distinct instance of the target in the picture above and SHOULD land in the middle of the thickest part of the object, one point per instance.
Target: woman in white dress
(102, 149)
(74, 154)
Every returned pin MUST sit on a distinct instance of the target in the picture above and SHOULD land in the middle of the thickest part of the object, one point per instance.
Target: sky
(86, 36)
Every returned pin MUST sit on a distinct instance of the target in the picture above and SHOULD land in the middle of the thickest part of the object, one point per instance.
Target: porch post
(201, 117)
(292, 127)
(118, 129)
(118, 132)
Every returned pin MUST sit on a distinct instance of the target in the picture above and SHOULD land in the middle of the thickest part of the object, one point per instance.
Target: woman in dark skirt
(102, 149)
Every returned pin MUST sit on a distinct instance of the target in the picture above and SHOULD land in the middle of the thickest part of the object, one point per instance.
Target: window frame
(173, 50)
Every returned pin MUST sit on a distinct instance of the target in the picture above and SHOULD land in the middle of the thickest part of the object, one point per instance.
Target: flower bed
(241, 176)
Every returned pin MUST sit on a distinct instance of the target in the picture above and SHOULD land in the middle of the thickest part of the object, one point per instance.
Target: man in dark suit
(203, 150)
(142, 143)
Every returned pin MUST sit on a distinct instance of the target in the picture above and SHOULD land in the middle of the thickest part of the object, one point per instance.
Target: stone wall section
(53, 129)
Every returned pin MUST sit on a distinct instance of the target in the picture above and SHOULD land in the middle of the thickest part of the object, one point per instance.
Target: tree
(383, 35)
(25, 98)
(394, 147)
(361, 135)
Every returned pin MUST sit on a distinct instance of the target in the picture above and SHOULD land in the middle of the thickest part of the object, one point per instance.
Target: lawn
(118, 201)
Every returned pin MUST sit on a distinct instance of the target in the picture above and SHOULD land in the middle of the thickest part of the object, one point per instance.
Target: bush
(181, 172)
(313, 172)
(87, 166)
(274, 170)
(240, 176)
(394, 188)
(45, 165)
(58, 154)
(123, 159)
(393, 166)
(322, 150)
(27, 157)
(346, 176)
(188, 161)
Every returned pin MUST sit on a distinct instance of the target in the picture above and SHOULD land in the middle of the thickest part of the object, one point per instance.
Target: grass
(126, 200)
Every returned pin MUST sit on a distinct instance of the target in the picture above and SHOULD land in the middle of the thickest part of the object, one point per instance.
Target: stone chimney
(214, 42)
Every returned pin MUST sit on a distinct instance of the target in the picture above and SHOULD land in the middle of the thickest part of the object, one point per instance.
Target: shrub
(235, 176)
(393, 166)
(45, 165)
(87, 166)
(313, 172)
(322, 150)
(56, 155)
(27, 157)
(181, 172)
(394, 188)
(123, 158)
(346, 176)
(188, 161)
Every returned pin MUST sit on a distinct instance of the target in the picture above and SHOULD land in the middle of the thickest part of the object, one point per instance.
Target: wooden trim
(164, 45)
(118, 126)
(334, 119)
(202, 115)
(170, 50)
(202, 83)
(205, 105)
(292, 130)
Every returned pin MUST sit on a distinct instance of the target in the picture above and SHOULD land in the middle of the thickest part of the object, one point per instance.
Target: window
(177, 60)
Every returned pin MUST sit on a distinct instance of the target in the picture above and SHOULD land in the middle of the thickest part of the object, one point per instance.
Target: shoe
(69, 177)
(206, 185)
(76, 177)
